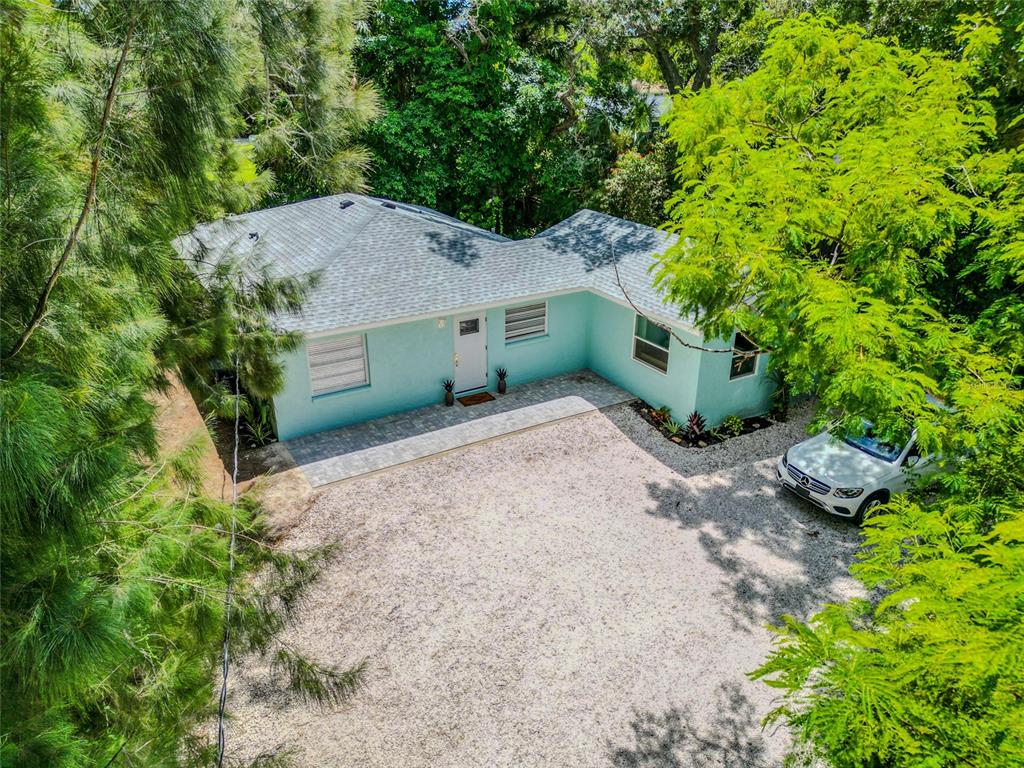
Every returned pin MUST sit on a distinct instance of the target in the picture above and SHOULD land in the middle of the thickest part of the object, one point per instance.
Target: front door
(470, 352)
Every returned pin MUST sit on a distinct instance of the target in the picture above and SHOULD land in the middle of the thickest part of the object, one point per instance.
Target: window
(338, 364)
(650, 344)
(526, 322)
(744, 357)
(467, 327)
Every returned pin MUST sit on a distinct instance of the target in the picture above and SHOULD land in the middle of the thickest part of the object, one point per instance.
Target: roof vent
(345, 204)
(388, 204)
(254, 235)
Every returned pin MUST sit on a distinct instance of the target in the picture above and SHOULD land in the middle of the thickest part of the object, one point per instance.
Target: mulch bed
(252, 462)
(709, 437)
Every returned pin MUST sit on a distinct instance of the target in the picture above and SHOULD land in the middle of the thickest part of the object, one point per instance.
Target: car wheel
(870, 503)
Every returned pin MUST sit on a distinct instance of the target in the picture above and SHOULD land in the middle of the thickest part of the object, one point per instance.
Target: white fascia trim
(471, 308)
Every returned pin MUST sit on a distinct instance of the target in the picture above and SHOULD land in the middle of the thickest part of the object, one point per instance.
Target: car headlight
(849, 493)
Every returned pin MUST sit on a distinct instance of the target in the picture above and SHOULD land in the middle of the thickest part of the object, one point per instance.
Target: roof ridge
(369, 214)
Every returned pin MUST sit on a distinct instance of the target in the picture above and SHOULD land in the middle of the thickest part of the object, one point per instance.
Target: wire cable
(225, 650)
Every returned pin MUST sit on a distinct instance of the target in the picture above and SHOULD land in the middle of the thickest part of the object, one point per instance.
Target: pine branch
(314, 682)
(90, 195)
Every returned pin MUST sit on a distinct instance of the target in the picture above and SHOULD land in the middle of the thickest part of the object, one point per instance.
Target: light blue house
(408, 297)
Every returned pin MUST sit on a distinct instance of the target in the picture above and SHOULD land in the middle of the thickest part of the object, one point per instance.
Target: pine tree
(114, 120)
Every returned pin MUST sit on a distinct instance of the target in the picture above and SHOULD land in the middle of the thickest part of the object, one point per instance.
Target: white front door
(470, 352)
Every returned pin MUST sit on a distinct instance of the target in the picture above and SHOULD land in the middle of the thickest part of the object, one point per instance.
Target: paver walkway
(339, 454)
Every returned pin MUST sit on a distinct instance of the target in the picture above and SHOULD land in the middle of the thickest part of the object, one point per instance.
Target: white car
(848, 476)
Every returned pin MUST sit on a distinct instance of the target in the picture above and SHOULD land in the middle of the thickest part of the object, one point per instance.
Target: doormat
(479, 397)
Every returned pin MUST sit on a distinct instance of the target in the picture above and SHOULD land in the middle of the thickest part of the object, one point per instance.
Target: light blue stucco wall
(408, 361)
(610, 355)
(719, 396)
(562, 350)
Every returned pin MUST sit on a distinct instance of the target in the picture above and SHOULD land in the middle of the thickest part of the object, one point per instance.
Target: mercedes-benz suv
(850, 475)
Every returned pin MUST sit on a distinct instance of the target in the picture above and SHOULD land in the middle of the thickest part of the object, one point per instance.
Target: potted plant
(502, 384)
(449, 391)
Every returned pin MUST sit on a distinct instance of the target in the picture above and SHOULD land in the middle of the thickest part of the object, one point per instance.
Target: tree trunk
(90, 195)
(704, 58)
(667, 65)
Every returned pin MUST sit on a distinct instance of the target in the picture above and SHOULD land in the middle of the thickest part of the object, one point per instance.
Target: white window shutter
(527, 321)
(337, 364)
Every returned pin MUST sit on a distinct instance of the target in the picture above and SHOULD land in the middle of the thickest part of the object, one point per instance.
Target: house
(408, 297)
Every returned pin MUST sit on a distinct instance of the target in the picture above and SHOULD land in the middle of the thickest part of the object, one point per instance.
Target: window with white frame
(338, 364)
(744, 357)
(650, 344)
(526, 322)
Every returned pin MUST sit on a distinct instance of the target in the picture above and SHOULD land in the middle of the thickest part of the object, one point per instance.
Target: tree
(681, 36)
(301, 99)
(113, 123)
(492, 113)
(822, 195)
(639, 185)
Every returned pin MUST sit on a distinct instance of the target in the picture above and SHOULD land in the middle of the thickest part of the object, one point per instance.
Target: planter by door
(470, 352)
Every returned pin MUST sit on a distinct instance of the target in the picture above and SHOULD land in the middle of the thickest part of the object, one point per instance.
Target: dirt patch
(179, 424)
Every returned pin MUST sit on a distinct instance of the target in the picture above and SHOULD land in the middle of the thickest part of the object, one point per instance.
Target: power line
(225, 650)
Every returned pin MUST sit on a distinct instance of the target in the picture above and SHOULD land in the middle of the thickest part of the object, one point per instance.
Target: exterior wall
(408, 361)
(611, 356)
(562, 350)
(719, 396)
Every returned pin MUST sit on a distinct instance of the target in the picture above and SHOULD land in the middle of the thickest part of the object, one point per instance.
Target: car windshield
(872, 446)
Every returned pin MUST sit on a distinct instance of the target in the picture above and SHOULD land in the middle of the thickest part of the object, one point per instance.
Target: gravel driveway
(583, 594)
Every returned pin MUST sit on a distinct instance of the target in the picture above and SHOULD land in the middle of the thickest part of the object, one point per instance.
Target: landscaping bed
(692, 432)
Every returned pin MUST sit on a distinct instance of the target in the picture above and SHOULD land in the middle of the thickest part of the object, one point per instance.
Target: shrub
(731, 426)
(695, 424)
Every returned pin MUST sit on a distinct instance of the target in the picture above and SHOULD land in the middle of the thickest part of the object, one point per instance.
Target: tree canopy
(827, 200)
(115, 128)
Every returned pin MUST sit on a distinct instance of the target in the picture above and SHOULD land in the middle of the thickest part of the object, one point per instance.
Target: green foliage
(486, 115)
(832, 200)
(819, 195)
(639, 185)
(681, 37)
(113, 139)
(301, 99)
(662, 414)
(731, 426)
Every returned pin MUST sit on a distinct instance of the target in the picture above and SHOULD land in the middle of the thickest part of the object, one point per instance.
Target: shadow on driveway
(731, 739)
(777, 554)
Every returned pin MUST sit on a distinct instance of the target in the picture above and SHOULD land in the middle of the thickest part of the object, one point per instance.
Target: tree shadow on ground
(731, 739)
(773, 553)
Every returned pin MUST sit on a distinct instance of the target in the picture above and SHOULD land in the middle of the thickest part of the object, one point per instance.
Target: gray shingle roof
(380, 261)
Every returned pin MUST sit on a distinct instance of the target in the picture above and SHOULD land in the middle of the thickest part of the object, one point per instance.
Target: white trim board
(677, 323)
